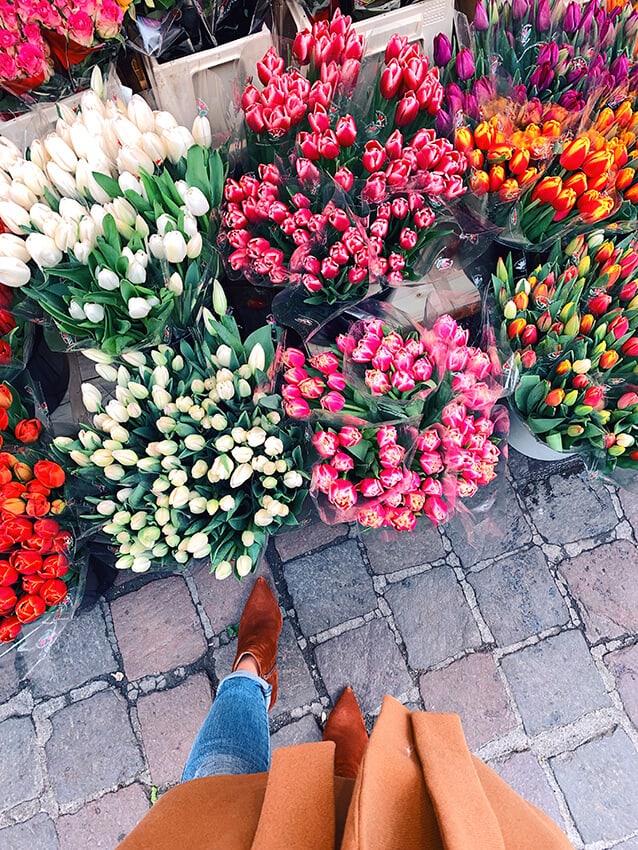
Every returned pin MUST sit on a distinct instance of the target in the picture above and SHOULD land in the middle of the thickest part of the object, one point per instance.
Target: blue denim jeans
(235, 736)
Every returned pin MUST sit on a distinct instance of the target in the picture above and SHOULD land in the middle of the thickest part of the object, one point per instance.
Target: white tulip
(196, 201)
(88, 231)
(13, 272)
(97, 82)
(240, 475)
(244, 565)
(97, 356)
(197, 542)
(141, 564)
(225, 443)
(140, 113)
(257, 358)
(76, 312)
(175, 246)
(136, 273)
(139, 520)
(70, 209)
(65, 234)
(137, 390)
(63, 181)
(168, 448)
(12, 246)
(242, 454)
(41, 214)
(194, 246)
(141, 227)
(256, 437)
(262, 518)
(123, 210)
(154, 147)
(273, 446)
(177, 140)
(107, 373)
(178, 363)
(201, 131)
(269, 468)
(102, 458)
(132, 158)
(195, 442)
(138, 308)
(97, 213)
(148, 464)
(126, 457)
(156, 246)
(106, 508)
(224, 355)
(226, 390)
(94, 312)
(94, 122)
(223, 570)
(166, 424)
(179, 497)
(38, 154)
(161, 397)
(60, 152)
(190, 227)
(91, 398)
(128, 181)
(164, 121)
(16, 217)
(82, 251)
(116, 410)
(128, 134)
(80, 139)
(34, 177)
(175, 284)
(165, 223)
(197, 505)
(281, 465)
(161, 376)
(22, 195)
(61, 130)
(199, 470)
(9, 152)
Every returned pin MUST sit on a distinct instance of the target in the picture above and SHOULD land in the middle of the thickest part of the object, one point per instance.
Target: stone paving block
(518, 597)
(368, 660)
(74, 660)
(524, 469)
(603, 582)
(566, 508)
(598, 780)
(92, 748)
(523, 772)
(170, 720)
(296, 687)
(554, 682)
(631, 844)
(304, 731)
(19, 748)
(103, 823)
(224, 601)
(330, 587)
(629, 502)
(9, 678)
(624, 665)
(157, 628)
(38, 833)
(433, 617)
(389, 551)
(472, 688)
(299, 541)
(506, 528)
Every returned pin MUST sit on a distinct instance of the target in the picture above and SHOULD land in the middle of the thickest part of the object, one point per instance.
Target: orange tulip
(509, 190)
(599, 183)
(527, 178)
(594, 207)
(484, 135)
(565, 200)
(605, 252)
(597, 163)
(605, 120)
(475, 158)
(519, 162)
(625, 178)
(574, 153)
(521, 299)
(479, 182)
(547, 190)
(631, 194)
(499, 153)
(563, 367)
(516, 328)
(554, 397)
(608, 359)
(497, 177)
(552, 128)
(463, 140)
(624, 114)
(577, 182)
(586, 323)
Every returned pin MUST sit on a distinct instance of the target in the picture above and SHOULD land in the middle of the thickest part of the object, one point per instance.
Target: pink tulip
(371, 517)
(325, 362)
(430, 462)
(377, 382)
(323, 475)
(391, 455)
(408, 239)
(627, 400)
(435, 509)
(402, 519)
(403, 381)
(466, 489)
(371, 488)
(349, 436)
(428, 440)
(311, 388)
(344, 177)
(312, 283)
(374, 156)
(394, 145)
(422, 369)
(297, 408)
(414, 501)
(336, 381)
(329, 269)
(382, 359)
(342, 461)
(390, 478)
(325, 443)
(386, 435)
(342, 494)
(307, 171)
(391, 79)
(333, 401)
(346, 344)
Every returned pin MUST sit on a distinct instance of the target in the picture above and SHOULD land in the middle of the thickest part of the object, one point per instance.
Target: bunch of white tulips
(110, 220)
(190, 458)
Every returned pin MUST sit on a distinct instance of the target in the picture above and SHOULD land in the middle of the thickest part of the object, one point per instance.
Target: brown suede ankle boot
(259, 630)
(345, 726)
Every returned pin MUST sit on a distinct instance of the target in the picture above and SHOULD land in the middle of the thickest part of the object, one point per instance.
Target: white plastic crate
(214, 76)
(23, 129)
(420, 22)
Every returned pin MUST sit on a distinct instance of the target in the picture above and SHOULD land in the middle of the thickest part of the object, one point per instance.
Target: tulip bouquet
(416, 438)
(110, 221)
(359, 181)
(16, 426)
(574, 326)
(15, 334)
(191, 458)
(35, 544)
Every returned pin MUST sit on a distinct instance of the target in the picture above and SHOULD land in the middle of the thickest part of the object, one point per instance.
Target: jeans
(235, 737)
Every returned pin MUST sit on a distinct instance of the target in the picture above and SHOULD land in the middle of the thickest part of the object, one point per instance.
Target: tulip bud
(201, 131)
(91, 398)
(244, 565)
(13, 272)
(227, 503)
(223, 570)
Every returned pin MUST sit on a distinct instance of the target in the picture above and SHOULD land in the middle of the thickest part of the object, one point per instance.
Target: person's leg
(235, 737)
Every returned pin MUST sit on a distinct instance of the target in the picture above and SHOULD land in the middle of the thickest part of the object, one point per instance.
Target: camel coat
(418, 788)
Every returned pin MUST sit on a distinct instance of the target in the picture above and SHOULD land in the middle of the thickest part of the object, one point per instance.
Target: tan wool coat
(418, 788)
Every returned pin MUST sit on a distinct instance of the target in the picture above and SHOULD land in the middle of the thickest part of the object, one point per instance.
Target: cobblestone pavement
(531, 636)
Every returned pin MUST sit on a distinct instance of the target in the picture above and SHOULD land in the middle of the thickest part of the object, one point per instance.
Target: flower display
(16, 426)
(191, 458)
(349, 188)
(414, 437)
(574, 326)
(35, 545)
(113, 214)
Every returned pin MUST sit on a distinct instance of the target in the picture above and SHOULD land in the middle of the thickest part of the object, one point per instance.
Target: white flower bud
(199, 470)
(223, 570)
(262, 518)
(293, 479)
(91, 398)
(174, 246)
(196, 202)
(195, 442)
(94, 312)
(201, 131)
(76, 312)
(227, 503)
(240, 475)
(244, 565)
(197, 505)
(273, 446)
(115, 472)
(226, 390)
(247, 538)
(219, 422)
(107, 279)
(242, 454)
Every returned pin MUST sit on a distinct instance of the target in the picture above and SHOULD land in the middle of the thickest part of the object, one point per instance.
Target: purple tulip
(571, 22)
(630, 28)
(481, 20)
(454, 97)
(542, 77)
(572, 101)
(543, 16)
(619, 68)
(520, 8)
(442, 50)
(605, 34)
(548, 54)
(586, 22)
(464, 64)
(471, 107)
(575, 74)
(519, 94)
(483, 90)
(443, 123)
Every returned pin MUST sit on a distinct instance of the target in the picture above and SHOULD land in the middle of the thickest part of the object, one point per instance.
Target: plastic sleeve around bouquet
(24, 419)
